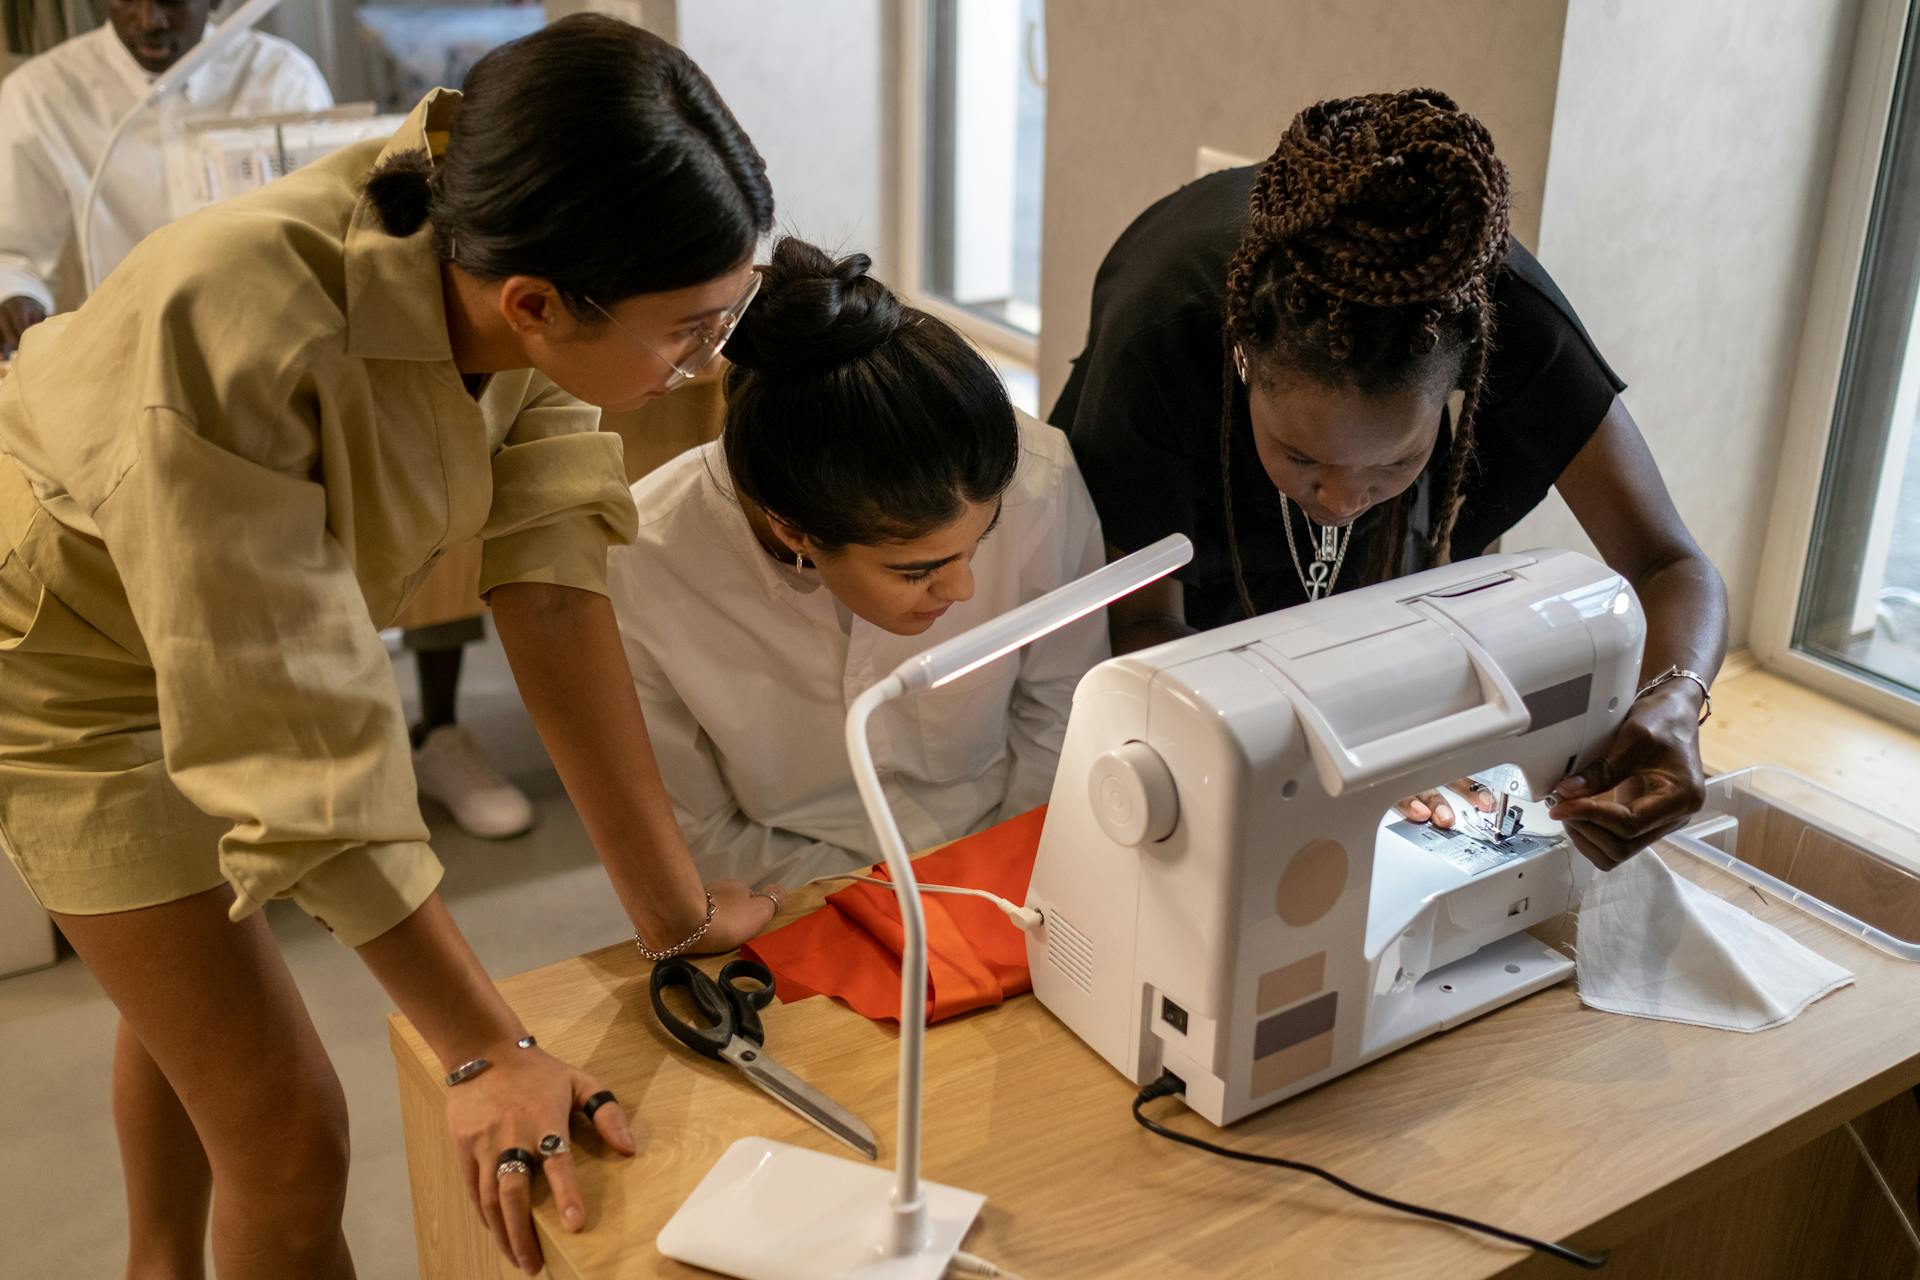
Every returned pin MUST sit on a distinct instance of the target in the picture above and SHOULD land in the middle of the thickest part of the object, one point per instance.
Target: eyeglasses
(712, 338)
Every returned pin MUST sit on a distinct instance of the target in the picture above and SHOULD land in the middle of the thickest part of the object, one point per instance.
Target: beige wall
(811, 84)
(1134, 89)
(1691, 153)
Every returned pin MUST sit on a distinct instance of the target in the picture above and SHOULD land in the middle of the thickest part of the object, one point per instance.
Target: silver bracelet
(1681, 673)
(684, 943)
(468, 1070)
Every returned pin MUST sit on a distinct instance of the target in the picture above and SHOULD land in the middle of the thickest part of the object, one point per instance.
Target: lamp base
(768, 1211)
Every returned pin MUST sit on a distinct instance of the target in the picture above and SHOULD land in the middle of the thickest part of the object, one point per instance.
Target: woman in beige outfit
(220, 478)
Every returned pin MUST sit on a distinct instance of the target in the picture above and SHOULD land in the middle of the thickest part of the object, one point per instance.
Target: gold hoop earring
(1240, 363)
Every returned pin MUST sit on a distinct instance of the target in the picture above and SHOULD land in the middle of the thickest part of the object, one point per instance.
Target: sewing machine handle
(1361, 765)
(1399, 752)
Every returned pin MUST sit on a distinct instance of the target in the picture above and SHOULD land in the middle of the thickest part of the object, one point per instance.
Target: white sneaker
(449, 768)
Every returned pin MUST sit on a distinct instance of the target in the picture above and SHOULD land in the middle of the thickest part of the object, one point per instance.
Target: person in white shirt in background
(873, 494)
(58, 110)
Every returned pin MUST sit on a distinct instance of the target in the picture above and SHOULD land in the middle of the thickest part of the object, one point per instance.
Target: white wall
(812, 85)
(1690, 159)
(1135, 88)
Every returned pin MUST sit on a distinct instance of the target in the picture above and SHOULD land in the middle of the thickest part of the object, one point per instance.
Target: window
(973, 151)
(1840, 603)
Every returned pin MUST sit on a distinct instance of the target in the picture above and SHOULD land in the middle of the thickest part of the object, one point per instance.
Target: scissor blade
(802, 1098)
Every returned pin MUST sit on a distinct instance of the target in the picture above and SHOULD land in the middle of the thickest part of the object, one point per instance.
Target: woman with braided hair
(1271, 368)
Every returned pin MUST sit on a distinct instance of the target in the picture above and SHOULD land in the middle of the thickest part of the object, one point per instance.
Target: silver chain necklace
(1329, 553)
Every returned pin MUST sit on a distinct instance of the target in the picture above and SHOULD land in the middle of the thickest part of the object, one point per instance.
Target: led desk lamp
(769, 1211)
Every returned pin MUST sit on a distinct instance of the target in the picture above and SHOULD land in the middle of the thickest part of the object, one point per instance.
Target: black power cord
(1168, 1084)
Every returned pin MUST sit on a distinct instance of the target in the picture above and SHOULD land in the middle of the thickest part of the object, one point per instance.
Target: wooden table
(1762, 718)
(1689, 1152)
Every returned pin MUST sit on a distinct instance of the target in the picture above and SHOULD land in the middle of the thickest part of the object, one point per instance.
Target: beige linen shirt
(259, 423)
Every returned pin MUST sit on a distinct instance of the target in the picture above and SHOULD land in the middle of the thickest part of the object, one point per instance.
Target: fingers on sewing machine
(1594, 779)
(1435, 807)
(1428, 806)
(1477, 794)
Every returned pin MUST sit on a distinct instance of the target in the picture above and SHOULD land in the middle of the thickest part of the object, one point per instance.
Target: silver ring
(771, 895)
(554, 1145)
(506, 1167)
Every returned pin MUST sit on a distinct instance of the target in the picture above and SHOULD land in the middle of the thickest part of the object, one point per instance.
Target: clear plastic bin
(1834, 858)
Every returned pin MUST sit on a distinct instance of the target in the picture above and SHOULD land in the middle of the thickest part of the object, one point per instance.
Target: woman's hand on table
(1646, 786)
(740, 914)
(526, 1095)
(1431, 806)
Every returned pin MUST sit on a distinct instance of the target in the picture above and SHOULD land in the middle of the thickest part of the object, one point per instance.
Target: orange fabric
(850, 948)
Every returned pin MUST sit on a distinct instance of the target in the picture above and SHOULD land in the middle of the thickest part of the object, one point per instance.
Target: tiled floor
(523, 903)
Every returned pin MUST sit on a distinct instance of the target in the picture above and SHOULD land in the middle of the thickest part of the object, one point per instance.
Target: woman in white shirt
(873, 494)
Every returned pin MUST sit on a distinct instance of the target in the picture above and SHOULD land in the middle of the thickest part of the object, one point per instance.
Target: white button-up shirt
(746, 668)
(56, 114)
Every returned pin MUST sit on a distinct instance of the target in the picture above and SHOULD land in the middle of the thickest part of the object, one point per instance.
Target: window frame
(1813, 404)
(911, 201)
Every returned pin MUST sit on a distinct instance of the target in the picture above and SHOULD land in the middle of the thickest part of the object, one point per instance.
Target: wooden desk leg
(1819, 1210)
(452, 1241)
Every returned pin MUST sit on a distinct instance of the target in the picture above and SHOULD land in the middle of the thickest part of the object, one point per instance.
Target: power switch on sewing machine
(1173, 1015)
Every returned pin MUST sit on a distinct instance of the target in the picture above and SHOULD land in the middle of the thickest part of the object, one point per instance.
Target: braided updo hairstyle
(1368, 261)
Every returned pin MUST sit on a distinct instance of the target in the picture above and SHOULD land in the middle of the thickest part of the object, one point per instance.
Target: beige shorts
(87, 812)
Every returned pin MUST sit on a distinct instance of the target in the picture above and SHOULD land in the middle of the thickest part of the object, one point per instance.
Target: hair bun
(401, 192)
(813, 312)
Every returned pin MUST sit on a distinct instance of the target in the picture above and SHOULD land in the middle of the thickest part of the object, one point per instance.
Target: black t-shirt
(1142, 406)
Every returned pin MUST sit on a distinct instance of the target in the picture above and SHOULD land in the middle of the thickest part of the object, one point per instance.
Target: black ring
(531, 1158)
(596, 1102)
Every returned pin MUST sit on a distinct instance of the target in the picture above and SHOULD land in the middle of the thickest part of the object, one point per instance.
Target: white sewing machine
(1227, 894)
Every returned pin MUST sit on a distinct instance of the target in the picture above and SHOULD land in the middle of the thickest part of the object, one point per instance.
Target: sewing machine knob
(1133, 795)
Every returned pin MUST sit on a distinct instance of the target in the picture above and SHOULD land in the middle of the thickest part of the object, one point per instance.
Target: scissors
(732, 1033)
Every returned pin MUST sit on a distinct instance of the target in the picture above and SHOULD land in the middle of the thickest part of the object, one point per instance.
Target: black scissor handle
(748, 987)
(714, 1036)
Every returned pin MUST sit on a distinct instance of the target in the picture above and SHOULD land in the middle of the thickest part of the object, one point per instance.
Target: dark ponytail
(593, 155)
(853, 417)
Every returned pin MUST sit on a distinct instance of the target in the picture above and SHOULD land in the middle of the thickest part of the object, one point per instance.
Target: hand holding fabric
(1646, 786)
